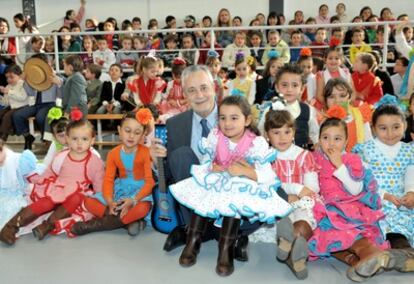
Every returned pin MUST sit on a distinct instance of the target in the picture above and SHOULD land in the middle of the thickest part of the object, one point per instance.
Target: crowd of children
(330, 138)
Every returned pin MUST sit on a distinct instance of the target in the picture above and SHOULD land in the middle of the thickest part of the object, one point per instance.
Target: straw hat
(38, 74)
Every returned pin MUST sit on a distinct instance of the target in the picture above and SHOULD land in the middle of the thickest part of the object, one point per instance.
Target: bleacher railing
(213, 30)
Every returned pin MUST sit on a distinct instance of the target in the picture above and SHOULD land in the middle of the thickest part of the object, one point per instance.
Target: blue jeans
(39, 111)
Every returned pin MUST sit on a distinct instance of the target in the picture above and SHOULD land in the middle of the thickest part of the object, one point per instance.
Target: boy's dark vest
(302, 126)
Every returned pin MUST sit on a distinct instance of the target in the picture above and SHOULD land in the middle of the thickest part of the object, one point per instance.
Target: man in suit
(184, 132)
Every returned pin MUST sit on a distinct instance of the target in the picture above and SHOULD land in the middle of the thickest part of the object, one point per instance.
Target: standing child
(233, 180)
(305, 62)
(69, 178)
(214, 65)
(174, 101)
(392, 163)
(74, 88)
(348, 220)
(296, 169)
(333, 60)
(290, 82)
(94, 86)
(126, 196)
(112, 90)
(243, 84)
(14, 98)
(265, 87)
(148, 87)
(338, 95)
(367, 86)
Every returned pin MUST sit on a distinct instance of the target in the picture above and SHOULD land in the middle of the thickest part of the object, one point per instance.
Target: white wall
(353, 7)
(52, 10)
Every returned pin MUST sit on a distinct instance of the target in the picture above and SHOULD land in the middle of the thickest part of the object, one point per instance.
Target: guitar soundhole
(164, 205)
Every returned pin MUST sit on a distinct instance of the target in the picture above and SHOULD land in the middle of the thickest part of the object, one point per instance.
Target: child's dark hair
(368, 59)
(1, 144)
(59, 125)
(132, 115)
(336, 49)
(266, 70)
(244, 106)
(404, 61)
(387, 109)
(75, 61)
(177, 69)
(240, 58)
(318, 63)
(15, 69)
(95, 69)
(278, 119)
(291, 69)
(80, 123)
(339, 83)
(333, 122)
(357, 31)
(116, 65)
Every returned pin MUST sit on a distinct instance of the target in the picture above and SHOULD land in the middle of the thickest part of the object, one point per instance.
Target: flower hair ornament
(55, 113)
(273, 54)
(388, 99)
(277, 103)
(179, 61)
(336, 111)
(144, 116)
(250, 60)
(213, 53)
(306, 51)
(76, 114)
(334, 42)
(239, 56)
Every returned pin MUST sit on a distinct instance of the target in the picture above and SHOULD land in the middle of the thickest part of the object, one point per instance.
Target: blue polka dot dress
(390, 175)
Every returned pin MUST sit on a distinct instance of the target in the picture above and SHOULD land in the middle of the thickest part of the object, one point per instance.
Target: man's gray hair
(193, 69)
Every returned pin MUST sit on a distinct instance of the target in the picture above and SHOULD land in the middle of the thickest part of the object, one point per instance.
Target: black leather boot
(228, 235)
(195, 232)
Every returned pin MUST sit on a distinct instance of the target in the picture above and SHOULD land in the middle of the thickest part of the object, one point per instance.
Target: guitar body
(164, 216)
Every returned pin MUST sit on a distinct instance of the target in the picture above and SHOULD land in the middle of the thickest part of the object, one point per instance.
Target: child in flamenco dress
(126, 196)
(14, 167)
(234, 180)
(61, 189)
(348, 219)
(174, 101)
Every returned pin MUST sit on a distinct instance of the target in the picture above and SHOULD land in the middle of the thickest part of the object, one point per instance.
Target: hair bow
(54, 113)
(143, 116)
(76, 114)
(273, 54)
(213, 53)
(388, 99)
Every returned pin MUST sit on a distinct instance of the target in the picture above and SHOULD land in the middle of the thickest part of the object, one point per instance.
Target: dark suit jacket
(179, 129)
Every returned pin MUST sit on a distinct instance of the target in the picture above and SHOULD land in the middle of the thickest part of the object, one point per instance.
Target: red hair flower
(334, 42)
(144, 116)
(76, 114)
(179, 61)
(306, 51)
(336, 112)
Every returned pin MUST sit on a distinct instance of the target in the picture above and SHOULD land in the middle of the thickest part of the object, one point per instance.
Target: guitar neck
(162, 185)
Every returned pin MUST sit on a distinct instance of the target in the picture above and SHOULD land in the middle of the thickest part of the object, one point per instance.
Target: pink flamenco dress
(345, 218)
(173, 92)
(218, 194)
